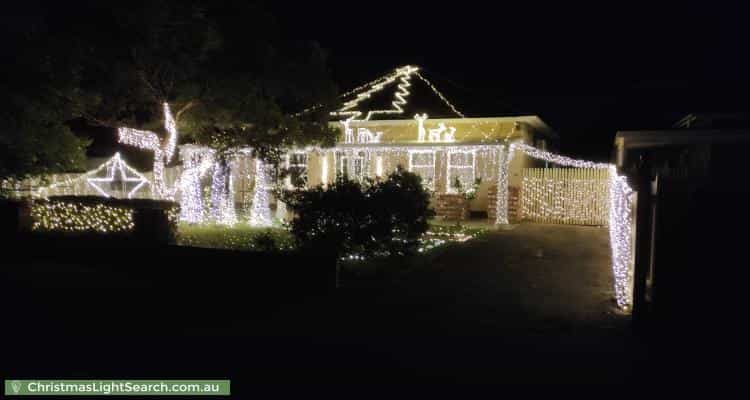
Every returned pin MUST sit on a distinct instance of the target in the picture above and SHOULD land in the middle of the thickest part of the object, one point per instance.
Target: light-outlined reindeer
(450, 136)
(364, 135)
(435, 133)
(348, 132)
(420, 127)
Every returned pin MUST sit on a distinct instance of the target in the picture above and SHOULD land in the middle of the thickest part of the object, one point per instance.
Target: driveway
(532, 303)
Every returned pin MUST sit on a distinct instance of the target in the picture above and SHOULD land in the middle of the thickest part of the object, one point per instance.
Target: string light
(57, 215)
(197, 161)
(462, 168)
(126, 174)
(111, 167)
(423, 163)
(620, 222)
(222, 201)
(565, 195)
(324, 170)
(260, 213)
(437, 92)
(148, 140)
(621, 230)
(403, 75)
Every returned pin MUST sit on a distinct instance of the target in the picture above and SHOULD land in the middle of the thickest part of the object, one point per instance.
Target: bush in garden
(350, 218)
(399, 209)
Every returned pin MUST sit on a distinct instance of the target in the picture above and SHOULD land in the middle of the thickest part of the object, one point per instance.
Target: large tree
(230, 76)
(38, 79)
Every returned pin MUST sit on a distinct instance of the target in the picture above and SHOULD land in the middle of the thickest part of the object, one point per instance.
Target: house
(398, 119)
(691, 219)
(402, 119)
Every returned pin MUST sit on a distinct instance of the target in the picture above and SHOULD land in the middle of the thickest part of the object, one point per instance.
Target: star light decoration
(118, 173)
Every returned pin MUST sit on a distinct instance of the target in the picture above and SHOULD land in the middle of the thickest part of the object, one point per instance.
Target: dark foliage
(372, 219)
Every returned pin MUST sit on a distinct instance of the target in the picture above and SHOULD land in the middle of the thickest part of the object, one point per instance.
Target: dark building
(691, 238)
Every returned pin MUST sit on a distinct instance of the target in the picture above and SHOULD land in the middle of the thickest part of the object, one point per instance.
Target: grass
(245, 237)
(238, 237)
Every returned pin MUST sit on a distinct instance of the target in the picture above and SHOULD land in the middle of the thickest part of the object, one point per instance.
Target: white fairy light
(92, 179)
(421, 132)
(620, 225)
(191, 197)
(403, 74)
(324, 170)
(566, 195)
(260, 214)
(379, 166)
(77, 217)
(460, 167)
(501, 203)
(222, 195)
(148, 140)
(127, 174)
(621, 235)
(171, 127)
(437, 92)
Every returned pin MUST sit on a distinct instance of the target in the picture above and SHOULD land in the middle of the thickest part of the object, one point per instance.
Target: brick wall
(450, 206)
(513, 204)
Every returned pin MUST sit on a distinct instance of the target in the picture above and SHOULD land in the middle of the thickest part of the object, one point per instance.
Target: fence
(576, 196)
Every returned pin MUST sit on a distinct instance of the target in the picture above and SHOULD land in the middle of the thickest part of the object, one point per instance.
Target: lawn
(237, 237)
(245, 237)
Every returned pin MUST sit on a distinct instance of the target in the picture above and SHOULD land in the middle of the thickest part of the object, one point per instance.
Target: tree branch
(190, 104)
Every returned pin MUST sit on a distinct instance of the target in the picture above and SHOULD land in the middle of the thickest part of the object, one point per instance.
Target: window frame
(430, 185)
(448, 178)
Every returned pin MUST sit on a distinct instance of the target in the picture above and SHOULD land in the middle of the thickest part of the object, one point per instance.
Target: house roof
(674, 137)
(390, 103)
(714, 120)
(399, 94)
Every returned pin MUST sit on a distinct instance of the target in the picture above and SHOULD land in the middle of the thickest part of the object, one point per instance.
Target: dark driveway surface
(529, 304)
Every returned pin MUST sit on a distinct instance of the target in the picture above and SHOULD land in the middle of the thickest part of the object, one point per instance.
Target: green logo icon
(16, 386)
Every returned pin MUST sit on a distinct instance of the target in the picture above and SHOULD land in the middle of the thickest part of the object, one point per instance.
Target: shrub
(350, 218)
(151, 220)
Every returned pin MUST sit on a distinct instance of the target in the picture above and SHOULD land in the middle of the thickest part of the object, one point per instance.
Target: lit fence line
(565, 195)
(620, 209)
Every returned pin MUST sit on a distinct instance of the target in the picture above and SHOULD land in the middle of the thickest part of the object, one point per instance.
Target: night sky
(587, 70)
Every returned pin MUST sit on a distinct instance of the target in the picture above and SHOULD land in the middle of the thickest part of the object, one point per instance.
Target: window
(297, 169)
(461, 166)
(351, 165)
(422, 163)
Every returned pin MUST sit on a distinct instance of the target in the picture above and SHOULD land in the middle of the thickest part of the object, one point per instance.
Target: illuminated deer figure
(435, 133)
(420, 127)
(365, 135)
(450, 136)
(348, 132)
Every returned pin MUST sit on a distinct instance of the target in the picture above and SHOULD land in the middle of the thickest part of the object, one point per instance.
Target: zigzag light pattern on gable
(404, 74)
